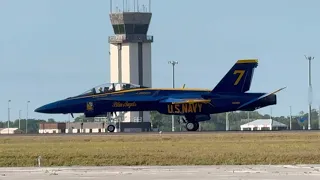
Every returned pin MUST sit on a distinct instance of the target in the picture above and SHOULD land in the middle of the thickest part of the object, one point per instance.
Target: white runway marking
(245, 172)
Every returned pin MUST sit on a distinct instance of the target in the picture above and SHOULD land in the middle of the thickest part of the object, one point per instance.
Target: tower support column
(130, 54)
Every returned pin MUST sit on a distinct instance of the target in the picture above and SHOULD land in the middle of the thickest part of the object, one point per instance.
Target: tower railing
(130, 38)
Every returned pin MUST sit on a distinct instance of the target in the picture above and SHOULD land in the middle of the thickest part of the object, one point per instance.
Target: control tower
(130, 49)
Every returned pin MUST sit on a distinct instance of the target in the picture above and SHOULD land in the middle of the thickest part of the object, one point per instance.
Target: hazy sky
(53, 49)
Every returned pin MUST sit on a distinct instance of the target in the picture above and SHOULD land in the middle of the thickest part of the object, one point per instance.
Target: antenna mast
(122, 5)
(110, 6)
(138, 5)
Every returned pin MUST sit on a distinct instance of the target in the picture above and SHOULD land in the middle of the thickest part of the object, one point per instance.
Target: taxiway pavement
(245, 172)
(165, 133)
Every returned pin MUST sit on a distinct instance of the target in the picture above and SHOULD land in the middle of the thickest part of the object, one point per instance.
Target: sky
(54, 49)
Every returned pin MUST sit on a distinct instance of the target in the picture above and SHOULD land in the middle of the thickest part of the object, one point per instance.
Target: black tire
(197, 126)
(192, 126)
(111, 128)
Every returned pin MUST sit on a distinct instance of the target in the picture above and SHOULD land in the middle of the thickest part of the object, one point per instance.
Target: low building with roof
(93, 127)
(52, 128)
(263, 124)
(102, 127)
(10, 131)
(86, 127)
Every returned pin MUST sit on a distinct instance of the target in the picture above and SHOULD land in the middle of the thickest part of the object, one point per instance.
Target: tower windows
(130, 28)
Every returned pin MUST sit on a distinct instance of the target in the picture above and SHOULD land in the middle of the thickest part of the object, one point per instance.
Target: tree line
(218, 121)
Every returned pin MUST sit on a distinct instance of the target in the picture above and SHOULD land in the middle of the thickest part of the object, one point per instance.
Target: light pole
(309, 58)
(27, 117)
(319, 118)
(290, 118)
(271, 119)
(173, 63)
(8, 115)
(19, 118)
(227, 121)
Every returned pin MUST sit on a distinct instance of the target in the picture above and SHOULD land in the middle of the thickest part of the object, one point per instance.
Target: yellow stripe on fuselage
(143, 89)
(247, 61)
(193, 101)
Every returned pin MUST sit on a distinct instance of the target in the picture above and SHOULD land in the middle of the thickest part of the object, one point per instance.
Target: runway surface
(283, 172)
(150, 133)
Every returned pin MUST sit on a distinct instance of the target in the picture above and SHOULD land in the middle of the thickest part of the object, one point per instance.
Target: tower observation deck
(130, 27)
(130, 49)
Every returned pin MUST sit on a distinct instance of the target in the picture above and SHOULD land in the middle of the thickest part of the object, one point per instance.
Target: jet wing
(184, 101)
(256, 99)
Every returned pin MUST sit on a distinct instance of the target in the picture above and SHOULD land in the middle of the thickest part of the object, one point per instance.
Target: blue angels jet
(196, 105)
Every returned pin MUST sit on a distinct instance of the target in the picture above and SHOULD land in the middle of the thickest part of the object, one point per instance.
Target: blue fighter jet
(196, 105)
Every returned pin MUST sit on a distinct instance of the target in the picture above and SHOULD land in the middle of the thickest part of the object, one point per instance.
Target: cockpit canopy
(111, 87)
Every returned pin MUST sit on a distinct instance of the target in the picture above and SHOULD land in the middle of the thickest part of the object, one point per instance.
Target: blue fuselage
(150, 100)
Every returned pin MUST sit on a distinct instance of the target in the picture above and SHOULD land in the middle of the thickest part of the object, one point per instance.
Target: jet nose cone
(48, 108)
(41, 109)
(44, 109)
(38, 110)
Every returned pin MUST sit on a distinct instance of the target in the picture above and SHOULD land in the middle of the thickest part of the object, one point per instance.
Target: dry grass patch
(185, 149)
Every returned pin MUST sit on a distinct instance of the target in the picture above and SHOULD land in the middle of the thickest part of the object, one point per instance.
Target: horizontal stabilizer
(256, 99)
(185, 101)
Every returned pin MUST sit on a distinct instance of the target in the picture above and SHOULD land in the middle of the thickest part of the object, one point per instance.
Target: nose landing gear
(111, 128)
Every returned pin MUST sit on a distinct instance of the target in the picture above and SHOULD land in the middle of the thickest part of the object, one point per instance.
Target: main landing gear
(190, 123)
(192, 126)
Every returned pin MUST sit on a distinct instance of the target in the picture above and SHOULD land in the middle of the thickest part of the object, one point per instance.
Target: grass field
(180, 149)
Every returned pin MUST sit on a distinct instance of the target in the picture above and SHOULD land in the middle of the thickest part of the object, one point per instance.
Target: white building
(49, 131)
(86, 127)
(9, 131)
(73, 127)
(130, 54)
(263, 124)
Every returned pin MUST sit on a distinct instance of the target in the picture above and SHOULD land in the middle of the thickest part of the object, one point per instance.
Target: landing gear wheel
(192, 126)
(111, 128)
